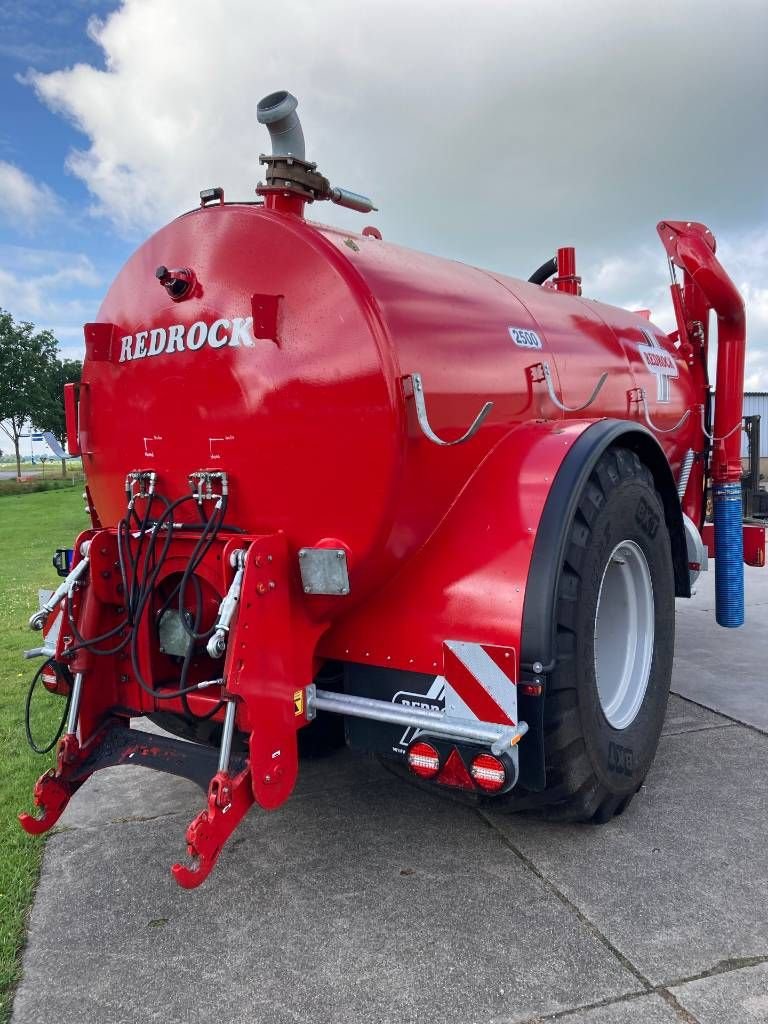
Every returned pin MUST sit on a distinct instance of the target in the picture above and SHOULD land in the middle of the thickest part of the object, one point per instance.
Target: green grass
(41, 477)
(33, 484)
(32, 526)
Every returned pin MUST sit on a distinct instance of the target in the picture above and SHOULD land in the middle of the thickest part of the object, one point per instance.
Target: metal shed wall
(756, 404)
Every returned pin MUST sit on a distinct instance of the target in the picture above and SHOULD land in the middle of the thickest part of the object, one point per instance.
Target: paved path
(365, 900)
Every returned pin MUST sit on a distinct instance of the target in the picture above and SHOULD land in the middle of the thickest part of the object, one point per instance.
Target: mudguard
(488, 573)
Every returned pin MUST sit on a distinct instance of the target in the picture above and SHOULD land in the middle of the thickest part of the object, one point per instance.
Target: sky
(489, 132)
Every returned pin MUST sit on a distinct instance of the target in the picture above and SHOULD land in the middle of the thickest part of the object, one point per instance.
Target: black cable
(139, 576)
(142, 525)
(201, 549)
(124, 525)
(28, 705)
(147, 593)
(88, 645)
(188, 657)
(193, 528)
(133, 592)
(194, 558)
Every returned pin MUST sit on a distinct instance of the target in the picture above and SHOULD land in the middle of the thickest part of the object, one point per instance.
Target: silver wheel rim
(624, 628)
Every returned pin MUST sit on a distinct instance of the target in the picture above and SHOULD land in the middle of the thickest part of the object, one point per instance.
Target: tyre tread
(573, 793)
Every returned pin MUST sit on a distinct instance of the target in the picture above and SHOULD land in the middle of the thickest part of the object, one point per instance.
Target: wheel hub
(624, 634)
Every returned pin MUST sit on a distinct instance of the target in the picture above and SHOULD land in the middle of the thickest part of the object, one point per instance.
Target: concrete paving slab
(755, 591)
(725, 669)
(385, 906)
(736, 997)
(123, 794)
(680, 881)
(650, 1009)
(685, 716)
(363, 899)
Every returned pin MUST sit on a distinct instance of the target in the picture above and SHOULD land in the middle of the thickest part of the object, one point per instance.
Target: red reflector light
(531, 689)
(49, 680)
(423, 760)
(454, 773)
(488, 772)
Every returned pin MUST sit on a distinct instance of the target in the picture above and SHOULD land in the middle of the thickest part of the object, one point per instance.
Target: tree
(26, 361)
(62, 371)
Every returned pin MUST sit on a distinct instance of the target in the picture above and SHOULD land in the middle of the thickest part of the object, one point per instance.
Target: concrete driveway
(363, 899)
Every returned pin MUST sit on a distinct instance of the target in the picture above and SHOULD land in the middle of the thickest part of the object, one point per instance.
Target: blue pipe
(729, 555)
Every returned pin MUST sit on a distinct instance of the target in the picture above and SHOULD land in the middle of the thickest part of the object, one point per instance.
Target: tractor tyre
(606, 699)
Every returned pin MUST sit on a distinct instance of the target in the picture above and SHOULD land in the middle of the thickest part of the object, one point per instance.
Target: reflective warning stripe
(481, 678)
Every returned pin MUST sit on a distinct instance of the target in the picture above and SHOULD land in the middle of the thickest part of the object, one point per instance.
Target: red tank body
(313, 424)
(329, 474)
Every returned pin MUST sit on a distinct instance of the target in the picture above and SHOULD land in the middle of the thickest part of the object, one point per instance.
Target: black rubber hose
(188, 658)
(149, 579)
(89, 644)
(124, 524)
(203, 545)
(544, 272)
(64, 672)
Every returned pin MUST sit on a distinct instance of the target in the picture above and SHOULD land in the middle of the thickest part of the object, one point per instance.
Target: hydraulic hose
(65, 674)
(544, 272)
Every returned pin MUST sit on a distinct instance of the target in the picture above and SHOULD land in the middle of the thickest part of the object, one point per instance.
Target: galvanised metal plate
(324, 571)
(174, 638)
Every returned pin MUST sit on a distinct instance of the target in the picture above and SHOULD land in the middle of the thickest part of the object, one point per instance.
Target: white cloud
(481, 125)
(50, 289)
(490, 133)
(747, 260)
(641, 281)
(24, 203)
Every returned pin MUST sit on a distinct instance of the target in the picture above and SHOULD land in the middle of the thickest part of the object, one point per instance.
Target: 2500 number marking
(524, 338)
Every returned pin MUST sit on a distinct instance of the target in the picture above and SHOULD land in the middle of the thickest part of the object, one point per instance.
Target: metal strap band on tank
(412, 385)
(711, 435)
(547, 376)
(643, 401)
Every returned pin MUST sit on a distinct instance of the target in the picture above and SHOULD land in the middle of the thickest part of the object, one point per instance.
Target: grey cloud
(489, 133)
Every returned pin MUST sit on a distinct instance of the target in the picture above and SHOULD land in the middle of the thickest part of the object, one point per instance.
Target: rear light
(49, 680)
(531, 689)
(423, 760)
(488, 772)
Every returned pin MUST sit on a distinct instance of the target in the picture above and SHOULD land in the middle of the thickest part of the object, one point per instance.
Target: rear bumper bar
(500, 738)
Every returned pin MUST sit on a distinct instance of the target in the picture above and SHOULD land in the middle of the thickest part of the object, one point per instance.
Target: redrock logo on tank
(163, 341)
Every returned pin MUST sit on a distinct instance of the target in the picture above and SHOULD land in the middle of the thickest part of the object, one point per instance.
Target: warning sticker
(298, 702)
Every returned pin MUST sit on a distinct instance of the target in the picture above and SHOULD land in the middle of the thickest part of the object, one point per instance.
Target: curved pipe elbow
(692, 247)
(544, 272)
(278, 112)
(705, 270)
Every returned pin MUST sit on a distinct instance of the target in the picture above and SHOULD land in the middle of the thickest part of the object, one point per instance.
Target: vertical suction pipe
(692, 247)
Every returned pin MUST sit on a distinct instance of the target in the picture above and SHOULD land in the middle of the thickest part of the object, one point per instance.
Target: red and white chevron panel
(480, 682)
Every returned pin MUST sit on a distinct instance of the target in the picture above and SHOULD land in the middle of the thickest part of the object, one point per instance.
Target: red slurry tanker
(343, 491)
